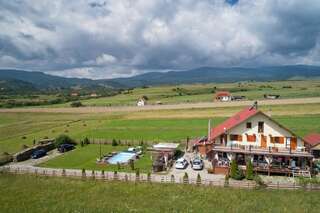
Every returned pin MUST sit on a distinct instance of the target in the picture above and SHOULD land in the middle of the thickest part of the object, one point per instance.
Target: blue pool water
(121, 157)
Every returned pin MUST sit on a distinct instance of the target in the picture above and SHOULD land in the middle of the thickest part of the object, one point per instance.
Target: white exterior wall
(225, 98)
(270, 128)
(140, 103)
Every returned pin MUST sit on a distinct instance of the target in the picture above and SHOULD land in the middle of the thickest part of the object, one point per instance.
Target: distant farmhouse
(252, 134)
(93, 95)
(74, 94)
(223, 96)
(141, 102)
(269, 96)
(226, 96)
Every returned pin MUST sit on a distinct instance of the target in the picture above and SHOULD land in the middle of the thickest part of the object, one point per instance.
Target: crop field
(18, 129)
(85, 158)
(70, 195)
(205, 92)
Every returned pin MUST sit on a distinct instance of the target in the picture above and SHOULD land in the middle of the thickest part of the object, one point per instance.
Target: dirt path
(165, 107)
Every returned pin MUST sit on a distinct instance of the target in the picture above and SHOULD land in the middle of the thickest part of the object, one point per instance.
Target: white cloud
(107, 38)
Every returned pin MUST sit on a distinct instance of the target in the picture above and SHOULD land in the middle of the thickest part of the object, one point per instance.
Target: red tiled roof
(313, 139)
(223, 93)
(233, 121)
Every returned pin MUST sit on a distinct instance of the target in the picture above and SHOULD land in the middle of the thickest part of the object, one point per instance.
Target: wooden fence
(152, 178)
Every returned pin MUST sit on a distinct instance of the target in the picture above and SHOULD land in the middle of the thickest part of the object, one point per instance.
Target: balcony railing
(234, 147)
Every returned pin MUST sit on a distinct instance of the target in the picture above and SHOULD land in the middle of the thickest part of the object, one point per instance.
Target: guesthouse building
(253, 135)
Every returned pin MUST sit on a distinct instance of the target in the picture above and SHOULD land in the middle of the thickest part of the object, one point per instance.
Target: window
(251, 138)
(261, 127)
(277, 140)
(249, 125)
(236, 137)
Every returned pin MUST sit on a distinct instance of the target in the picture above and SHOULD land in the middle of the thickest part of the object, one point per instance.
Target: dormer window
(249, 125)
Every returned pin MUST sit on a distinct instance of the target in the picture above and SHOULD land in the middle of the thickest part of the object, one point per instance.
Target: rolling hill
(199, 75)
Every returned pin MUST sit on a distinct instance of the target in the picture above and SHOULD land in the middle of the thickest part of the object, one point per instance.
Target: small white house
(141, 102)
(223, 96)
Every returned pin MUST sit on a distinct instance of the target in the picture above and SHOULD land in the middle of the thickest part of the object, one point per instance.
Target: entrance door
(293, 143)
(263, 141)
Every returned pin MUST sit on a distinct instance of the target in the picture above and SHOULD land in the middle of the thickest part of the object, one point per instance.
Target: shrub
(114, 142)
(149, 177)
(5, 158)
(63, 172)
(236, 173)
(226, 180)
(185, 178)
(172, 179)
(83, 172)
(86, 141)
(198, 179)
(131, 164)
(259, 181)
(249, 171)
(63, 139)
(76, 104)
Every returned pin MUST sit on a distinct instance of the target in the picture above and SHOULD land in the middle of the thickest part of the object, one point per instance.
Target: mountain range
(40, 80)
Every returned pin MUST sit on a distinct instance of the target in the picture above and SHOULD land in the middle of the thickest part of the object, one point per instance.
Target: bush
(236, 173)
(259, 181)
(249, 171)
(86, 141)
(63, 139)
(76, 104)
(198, 179)
(5, 158)
(185, 178)
(131, 164)
(226, 181)
(114, 142)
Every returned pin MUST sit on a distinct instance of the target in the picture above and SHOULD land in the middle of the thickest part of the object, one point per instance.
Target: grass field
(41, 194)
(205, 92)
(17, 129)
(85, 158)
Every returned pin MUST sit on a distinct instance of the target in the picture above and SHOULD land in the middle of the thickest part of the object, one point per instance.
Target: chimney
(254, 106)
(209, 129)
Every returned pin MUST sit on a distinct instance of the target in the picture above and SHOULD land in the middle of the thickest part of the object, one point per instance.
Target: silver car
(197, 164)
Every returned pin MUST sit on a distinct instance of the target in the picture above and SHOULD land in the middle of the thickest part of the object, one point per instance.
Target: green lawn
(42, 194)
(85, 158)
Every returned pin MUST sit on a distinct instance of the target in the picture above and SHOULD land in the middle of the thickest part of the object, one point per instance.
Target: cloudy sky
(113, 38)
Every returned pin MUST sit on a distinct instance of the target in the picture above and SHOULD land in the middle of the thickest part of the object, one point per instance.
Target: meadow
(18, 129)
(191, 93)
(43, 194)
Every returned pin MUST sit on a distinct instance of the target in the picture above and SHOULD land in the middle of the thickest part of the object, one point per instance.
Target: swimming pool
(121, 157)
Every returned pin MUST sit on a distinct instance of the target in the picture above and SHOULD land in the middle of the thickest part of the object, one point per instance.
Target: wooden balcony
(249, 149)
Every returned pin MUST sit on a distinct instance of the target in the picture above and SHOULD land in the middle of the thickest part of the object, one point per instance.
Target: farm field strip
(293, 101)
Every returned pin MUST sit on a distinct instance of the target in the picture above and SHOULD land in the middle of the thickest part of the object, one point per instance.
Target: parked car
(197, 164)
(65, 147)
(181, 163)
(38, 154)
